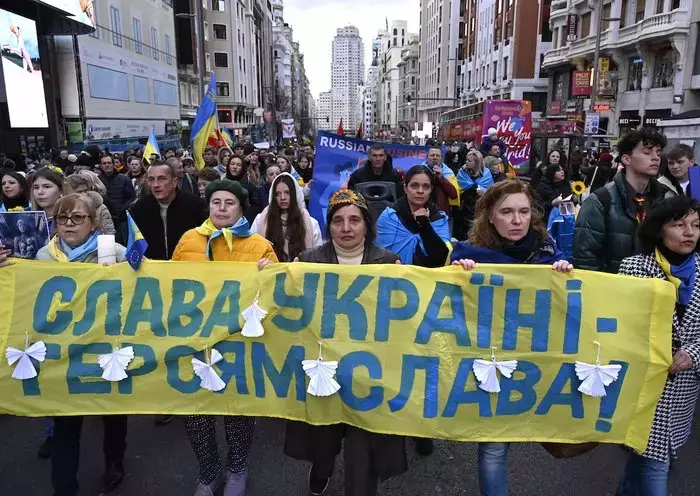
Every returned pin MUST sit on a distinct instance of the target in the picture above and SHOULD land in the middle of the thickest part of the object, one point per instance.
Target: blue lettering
(410, 364)
(459, 395)
(77, 369)
(572, 325)
(537, 321)
(385, 312)
(30, 387)
(172, 364)
(484, 320)
(113, 314)
(144, 353)
(524, 387)
(221, 316)
(345, 372)
(235, 368)
(263, 366)
(306, 302)
(334, 305)
(66, 287)
(146, 288)
(556, 396)
(457, 324)
(181, 308)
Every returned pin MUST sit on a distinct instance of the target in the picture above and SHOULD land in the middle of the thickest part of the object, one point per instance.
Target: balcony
(654, 27)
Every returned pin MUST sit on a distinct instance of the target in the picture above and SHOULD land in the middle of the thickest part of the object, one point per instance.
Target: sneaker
(208, 489)
(45, 449)
(114, 475)
(424, 446)
(235, 483)
(162, 420)
(317, 485)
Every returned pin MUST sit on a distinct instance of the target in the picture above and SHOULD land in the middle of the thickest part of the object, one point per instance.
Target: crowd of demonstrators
(250, 205)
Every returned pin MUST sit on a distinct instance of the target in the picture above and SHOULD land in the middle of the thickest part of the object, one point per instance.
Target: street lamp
(196, 20)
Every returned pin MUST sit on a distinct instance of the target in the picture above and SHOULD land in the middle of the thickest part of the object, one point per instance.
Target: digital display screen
(80, 10)
(22, 71)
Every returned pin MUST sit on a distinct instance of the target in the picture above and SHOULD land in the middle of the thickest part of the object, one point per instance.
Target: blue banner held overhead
(337, 157)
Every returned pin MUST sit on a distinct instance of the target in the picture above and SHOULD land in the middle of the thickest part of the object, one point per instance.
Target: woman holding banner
(413, 227)
(669, 240)
(224, 237)
(285, 222)
(368, 456)
(508, 229)
(78, 227)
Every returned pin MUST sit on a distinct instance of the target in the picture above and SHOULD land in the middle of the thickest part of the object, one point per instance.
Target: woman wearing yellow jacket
(224, 236)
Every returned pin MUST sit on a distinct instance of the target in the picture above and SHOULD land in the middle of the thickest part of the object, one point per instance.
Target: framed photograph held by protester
(23, 233)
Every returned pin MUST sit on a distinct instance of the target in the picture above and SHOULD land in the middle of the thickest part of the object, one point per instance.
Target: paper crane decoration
(114, 364)
(253, 316)
(25, 368)
(485, 372)
(321, 375)
(596, 377)
(208, 377)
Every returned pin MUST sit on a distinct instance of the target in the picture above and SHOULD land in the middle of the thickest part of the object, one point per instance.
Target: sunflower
(578, 187)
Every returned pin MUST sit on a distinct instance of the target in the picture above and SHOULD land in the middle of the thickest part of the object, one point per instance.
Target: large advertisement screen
(80, 10)
(21, 66)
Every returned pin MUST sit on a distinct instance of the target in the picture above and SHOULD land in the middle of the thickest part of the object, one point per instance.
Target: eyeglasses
(76, 219)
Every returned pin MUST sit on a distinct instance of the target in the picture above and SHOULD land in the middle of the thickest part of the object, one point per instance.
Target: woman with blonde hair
(473, 180)
(88, 183)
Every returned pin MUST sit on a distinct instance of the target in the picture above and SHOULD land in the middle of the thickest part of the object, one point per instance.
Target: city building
(649, 67)
(121, 81)
(408, 86)
(324, 109)
(503, 45)
(439, 51)
(369, 99)
(347, 72)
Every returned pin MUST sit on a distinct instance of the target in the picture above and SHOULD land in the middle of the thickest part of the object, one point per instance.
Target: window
(585, 25)
(675, 4)
(623, 13)
(207, 62)
(243, 38)
(395, 32)
(546, 31)
(168, 52)
(220, 31)
(241, 93)
(538, 100)
(495, 72)
(505, 68)
(222, 89)
(136, 27)
(558, 87)
(154, 44)
(394, 41)
(413, 64)
(639, 15)
(206, 31)
(142, 90)
(244, 71)
(220, 59)
(276, 56)
(240, 63)
(413, 80)
(664, 69)
(469, 80)
(116, 24)
(606, 15)
(96, 32)
(245, 92)
(204, 4)
(218, 5)
(634, 74)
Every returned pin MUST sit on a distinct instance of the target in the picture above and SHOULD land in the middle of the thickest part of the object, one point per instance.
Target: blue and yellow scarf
(240, 229)
(682, 276)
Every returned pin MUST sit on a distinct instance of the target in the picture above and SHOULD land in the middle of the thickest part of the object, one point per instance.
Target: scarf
(682, 275)
(9, 208)
(241, 229)
(61, 252)
(466, 181)
(394, 236)
(543, 253)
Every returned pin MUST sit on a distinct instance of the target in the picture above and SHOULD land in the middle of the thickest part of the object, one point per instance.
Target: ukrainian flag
(136, 246)
(204, 124)
(151, 147)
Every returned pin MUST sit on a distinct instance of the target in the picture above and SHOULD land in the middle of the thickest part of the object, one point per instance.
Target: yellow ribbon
(55, 250)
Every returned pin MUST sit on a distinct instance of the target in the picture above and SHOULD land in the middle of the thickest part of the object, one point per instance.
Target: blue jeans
(493, 469)
(644, 477)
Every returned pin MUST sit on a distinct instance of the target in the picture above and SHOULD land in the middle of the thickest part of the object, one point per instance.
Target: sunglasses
(76, 219)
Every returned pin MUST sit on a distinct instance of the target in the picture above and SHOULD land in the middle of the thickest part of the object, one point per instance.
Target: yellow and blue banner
(204, 123)
(152, 147)
(136, 245)
(405, 339)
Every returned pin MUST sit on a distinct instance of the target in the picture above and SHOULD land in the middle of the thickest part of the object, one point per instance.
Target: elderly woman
(508, 229)
(76, 241)
(368, 456)
(669, 241)
(224, 236)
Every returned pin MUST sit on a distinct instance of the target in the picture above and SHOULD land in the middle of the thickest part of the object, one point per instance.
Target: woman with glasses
(76, 241)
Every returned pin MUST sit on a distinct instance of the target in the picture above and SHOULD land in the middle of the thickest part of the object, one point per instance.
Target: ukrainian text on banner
(404, 337)
(337, 157)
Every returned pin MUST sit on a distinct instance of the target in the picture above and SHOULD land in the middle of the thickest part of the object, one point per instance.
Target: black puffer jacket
(601, 241)
(120, 193)
(365, 174)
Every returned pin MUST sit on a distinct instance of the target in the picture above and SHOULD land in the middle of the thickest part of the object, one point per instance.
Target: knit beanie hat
(233, 187)
(493, 131)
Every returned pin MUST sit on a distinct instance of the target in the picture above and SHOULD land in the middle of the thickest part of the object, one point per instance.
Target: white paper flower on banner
(114, 364)
(208, 377)
(596, 377)
(253, 316)
(485, 372)
(25, 368)
(321, 374)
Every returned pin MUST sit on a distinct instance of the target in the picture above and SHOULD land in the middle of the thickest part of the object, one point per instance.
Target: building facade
(650, 67)
(347, 73)
(408, 86)
(324, 108)
(369, 99)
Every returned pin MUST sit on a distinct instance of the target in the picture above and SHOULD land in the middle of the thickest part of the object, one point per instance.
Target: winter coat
(104, 218)
(365, 174)
(319, 444)
(673, 419)
(548, 190)
(487, 143)
(120, 193)
(602, 241)
(672, 187)
(188, 184)
(192, 248)
(185, 212)
(605, 173)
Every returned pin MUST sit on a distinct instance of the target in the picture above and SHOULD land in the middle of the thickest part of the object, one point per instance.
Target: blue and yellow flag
(204, 123)
(136, 246)
(152, 147)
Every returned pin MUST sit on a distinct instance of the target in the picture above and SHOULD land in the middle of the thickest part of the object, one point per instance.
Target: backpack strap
(605, 198)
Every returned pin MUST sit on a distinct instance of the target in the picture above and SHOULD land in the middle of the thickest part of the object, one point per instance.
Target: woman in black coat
(368, 456)
(553, 188)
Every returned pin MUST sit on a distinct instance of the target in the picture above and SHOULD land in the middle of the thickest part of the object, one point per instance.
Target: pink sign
(513, 121)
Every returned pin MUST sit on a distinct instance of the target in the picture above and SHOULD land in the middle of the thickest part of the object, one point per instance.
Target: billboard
(513, 121)
(21, 66)
(80, 10)
(581, 83)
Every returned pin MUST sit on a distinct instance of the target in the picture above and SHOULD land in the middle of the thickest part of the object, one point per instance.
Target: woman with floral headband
(368, 456)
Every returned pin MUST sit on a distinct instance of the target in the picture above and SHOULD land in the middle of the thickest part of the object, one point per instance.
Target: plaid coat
(673, 419)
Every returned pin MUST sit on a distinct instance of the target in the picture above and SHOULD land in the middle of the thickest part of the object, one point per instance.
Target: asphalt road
(159, 461)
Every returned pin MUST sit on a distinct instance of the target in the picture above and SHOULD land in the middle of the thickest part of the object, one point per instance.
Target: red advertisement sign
(513, 121)
(581, 83)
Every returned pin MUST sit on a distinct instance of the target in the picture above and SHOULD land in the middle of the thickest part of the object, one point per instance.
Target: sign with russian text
(405, 340)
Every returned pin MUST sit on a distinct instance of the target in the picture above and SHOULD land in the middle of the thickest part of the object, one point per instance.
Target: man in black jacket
(120, 194)
(185, 182)
(167, 213)
(377, 168)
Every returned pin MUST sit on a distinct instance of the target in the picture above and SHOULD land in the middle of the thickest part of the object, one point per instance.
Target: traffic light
(408, 100)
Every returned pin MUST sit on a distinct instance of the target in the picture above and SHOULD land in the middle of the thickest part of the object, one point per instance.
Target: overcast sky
(315, 23)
